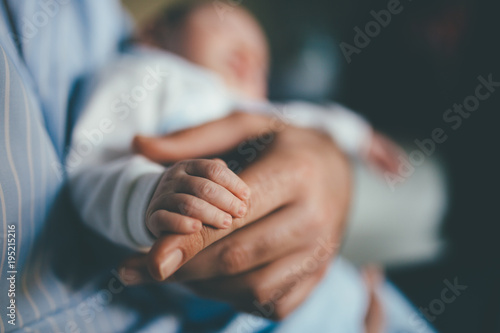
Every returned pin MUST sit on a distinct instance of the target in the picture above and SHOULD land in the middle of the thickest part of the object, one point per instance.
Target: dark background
(424, 61)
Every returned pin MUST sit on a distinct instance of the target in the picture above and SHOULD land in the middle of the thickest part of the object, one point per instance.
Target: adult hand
(268, 261)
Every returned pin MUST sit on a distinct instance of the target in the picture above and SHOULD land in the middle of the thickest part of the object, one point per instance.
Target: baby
(214, 66)
(229, 41)
(219, 66)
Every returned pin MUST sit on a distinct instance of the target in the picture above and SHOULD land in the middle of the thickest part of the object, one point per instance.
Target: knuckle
(216, 171)
(233, 182)
(178, 166)
(233, 260)
(207, 190)
(165, 177)
(262, 245)
(206, 236)
(189, 207)
(234, 205)
(197, 241)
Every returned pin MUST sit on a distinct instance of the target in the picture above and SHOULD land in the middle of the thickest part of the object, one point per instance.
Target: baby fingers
(162, 221)
(196, 208)
(220, 174)
(212, 193)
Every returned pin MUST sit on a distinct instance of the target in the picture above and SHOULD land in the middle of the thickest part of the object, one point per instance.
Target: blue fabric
(61, 42)
(65, 281)
(35, 91)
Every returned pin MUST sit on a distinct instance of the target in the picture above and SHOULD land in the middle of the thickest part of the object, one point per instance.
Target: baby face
(230, 43)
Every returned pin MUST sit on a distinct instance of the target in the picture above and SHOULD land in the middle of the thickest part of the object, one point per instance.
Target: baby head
(227, 40)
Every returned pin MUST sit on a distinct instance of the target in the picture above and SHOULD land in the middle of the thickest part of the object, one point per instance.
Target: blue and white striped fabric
(64, 282)
(61, 42)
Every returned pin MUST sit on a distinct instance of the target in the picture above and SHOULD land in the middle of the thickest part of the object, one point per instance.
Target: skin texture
(192, 191)
(295, 215)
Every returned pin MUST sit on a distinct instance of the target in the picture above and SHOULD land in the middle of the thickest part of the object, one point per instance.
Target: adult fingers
(266, 240)
(272, 188)
(273, 290)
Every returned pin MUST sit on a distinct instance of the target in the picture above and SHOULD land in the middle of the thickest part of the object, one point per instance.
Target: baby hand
(196, 192)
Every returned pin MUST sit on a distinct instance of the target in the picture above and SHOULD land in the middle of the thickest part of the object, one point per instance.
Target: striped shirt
(46, 48)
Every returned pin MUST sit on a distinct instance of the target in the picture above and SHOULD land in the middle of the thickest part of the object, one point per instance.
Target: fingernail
(228, 220)
(129, 276)
(171, 263)
(243, 209)
(246, 194)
